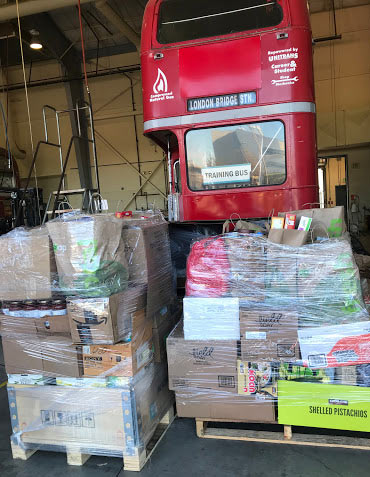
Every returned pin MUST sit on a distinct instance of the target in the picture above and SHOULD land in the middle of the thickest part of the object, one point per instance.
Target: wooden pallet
(279, 436)
(133, 463)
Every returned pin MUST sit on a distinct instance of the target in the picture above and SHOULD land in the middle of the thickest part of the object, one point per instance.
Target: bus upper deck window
(188, 20)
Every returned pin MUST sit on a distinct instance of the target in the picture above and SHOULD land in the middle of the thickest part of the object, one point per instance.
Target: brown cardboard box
(147, 249)
(122, 359)
(149, 257)
(53, 325)
(27, 266)
(15, 327)
(106, 420)
(268, 335)
(163, 316)
(23, 357)
(37, 354)
(160, 336)
(105, 320)
(210, 404)
(203, 364)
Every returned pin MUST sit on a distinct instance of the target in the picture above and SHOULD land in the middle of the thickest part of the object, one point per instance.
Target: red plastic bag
(208, 269)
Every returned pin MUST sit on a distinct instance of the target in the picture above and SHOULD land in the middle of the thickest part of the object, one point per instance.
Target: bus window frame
(286, 23)
(235, 189)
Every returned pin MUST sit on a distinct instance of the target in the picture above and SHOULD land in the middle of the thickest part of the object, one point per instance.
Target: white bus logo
(161, 84)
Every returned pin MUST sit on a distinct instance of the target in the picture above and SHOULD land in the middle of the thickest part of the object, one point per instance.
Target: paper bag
(328, 221)
(294, 238)
(90, 255)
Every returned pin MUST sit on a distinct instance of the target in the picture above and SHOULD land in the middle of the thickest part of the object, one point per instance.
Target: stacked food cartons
(83, 297)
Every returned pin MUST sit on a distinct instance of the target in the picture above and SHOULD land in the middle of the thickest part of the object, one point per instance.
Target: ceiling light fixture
(35, 42)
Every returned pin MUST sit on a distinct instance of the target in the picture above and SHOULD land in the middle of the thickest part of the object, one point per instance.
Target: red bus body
(251, 61)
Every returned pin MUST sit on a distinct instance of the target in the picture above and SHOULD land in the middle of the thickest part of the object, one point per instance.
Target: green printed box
(328, 406)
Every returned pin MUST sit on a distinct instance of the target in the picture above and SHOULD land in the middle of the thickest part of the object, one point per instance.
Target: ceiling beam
(110, 51)
(111, 15)
(32, 7)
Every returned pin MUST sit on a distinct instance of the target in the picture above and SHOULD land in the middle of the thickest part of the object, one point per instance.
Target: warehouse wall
(342, 73)
(114, 121)
(342, 79)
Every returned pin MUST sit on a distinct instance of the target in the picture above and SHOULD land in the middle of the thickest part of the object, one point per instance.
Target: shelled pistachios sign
(330, 406)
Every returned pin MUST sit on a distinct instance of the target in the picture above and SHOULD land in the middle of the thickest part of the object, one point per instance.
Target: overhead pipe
(118, 22)
(32, 7)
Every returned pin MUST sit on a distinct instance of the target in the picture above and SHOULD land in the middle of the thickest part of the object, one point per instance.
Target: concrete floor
(182, 454)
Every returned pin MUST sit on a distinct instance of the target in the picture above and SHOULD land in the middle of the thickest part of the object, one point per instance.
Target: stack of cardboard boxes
(84, 371)
(281, 322)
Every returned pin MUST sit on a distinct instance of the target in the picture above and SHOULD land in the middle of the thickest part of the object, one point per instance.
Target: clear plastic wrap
(88, 416)
(90, 254)
(258, 271)
(268, 329)
(83, 329)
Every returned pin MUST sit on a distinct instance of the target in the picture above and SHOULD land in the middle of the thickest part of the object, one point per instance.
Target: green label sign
(328, 406)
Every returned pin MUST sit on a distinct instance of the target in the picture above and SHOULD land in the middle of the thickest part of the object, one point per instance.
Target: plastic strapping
(130, 422)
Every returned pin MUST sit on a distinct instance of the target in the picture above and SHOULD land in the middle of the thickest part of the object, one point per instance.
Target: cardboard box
(268, 335)
(16, 327)
(257, 379)
(346, 375)
(105, 421)
(122, 359)
(30, 379)
(160, 336)
(163, 316)
(210, 404)
(27, 266)
(37, 354)
(324, 405)
(201, 364)
(53, 325)
(23, 357)
(60, 357)
(105, 320)
(211, 318)
(149, 258)
(334, 346)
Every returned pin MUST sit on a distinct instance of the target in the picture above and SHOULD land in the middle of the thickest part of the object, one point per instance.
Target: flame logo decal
(161, 84)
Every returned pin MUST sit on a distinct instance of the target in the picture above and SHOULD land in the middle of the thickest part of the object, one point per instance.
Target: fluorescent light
(36, 45)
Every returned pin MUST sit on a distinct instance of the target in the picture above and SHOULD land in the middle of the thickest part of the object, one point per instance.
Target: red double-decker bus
(228, 93)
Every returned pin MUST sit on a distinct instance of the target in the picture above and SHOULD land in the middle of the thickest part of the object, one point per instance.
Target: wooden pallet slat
(288, 436)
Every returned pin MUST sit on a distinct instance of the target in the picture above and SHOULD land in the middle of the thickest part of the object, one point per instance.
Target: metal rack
(87, 193)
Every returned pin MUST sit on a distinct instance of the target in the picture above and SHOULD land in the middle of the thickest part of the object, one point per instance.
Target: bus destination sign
(224, 101)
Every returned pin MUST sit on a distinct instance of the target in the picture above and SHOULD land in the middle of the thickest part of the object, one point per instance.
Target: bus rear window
(188, 20)
(244, 155)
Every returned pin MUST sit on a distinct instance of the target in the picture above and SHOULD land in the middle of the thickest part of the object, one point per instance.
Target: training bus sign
(226, 174)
